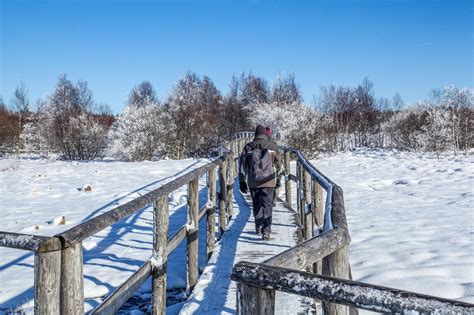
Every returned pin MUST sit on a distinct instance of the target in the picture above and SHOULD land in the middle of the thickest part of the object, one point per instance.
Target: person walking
(259, 165)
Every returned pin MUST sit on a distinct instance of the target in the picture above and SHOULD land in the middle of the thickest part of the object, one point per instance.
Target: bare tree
(20, 101)
(285, 91)
(253, 90)
(86, 99)
(21, 104)
(194, 106)
(397, 102)
(142, 94)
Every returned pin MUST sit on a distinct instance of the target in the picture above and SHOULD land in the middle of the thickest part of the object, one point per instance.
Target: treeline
(196, 116)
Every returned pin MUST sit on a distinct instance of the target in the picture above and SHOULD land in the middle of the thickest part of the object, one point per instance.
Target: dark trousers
(262, 207)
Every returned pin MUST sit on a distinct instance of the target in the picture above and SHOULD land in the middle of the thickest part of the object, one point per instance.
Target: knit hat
(268, 132)
(260, 130)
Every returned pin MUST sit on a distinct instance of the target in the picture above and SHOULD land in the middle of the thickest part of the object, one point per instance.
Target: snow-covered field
(410, 216)
(36, 193)
(411, 219)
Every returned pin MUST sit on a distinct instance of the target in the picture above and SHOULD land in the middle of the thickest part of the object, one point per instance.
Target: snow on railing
(324, 181)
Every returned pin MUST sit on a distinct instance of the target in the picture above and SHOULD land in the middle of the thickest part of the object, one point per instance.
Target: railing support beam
(254, 300)
(223, 197)
(211, 214)
(47, 282)
(192, 235)
(160, 256)
(72, 280)
(287, 179)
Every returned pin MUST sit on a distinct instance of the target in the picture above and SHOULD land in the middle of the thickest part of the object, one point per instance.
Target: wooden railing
(59, 279)
(319, 266)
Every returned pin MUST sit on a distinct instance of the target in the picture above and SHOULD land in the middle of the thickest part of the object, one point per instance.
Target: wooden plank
(72, 280)
(308, 227)
(358, 294)
(47, 283)
(192, 235)
(223, 197)
(100, 222)
(317, 199)
(230, 190)
(306, 253)
(115, 300)
(211, 215)
(298, 192)
(318, 215)
(175, 240)
(29, 242)
(254, 300)
(160, 257)
(287, 179)
(202, 212)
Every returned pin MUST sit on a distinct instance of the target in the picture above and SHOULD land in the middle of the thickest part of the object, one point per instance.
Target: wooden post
(159, 268)
(287, 179)
(253, 300)
(230, 191)
(318, 215)
(72, 280)
(309, 213)
(298, 187)
(319, 211)
(336, 265)
(211, 214)
(192, 235)
(47, 283)
(236, 154)
(223, 197)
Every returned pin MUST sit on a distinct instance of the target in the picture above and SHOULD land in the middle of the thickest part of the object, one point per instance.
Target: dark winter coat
(261, 142)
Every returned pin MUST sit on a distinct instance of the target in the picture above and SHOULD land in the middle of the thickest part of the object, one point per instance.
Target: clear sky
(405, 46)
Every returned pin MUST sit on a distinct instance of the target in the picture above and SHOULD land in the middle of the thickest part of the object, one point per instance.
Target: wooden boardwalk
(215, 293)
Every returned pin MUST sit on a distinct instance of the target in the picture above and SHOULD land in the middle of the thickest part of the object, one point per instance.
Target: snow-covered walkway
(215, 293)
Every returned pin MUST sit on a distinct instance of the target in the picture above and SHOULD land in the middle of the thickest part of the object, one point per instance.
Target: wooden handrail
(352, 293)
(100, 222)
(306, 253)
(29, 242)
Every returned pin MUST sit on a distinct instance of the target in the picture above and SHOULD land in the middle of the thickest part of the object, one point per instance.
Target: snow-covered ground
(410, 216)
(35, 193)
(411, 219)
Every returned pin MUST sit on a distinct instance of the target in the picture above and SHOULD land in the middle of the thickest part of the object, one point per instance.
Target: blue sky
(405, 46)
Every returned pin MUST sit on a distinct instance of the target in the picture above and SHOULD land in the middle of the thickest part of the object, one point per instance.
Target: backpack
(260, 166)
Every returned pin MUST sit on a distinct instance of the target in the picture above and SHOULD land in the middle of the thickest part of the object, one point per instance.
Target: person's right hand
(243, 187)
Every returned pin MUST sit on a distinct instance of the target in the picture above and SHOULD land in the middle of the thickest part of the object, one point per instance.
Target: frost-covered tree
(64, 125)
(296, 124)
(138, 134)
(436, 135)
(405, 128)
(459, 103)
